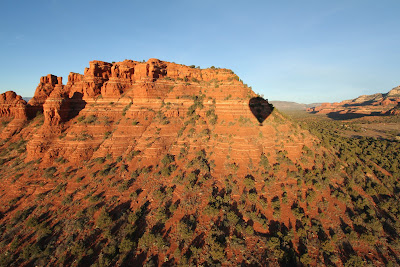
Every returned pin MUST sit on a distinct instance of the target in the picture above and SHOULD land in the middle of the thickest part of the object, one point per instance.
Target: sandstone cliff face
(366, 104)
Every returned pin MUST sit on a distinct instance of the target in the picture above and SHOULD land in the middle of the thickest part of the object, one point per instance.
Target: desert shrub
(275, 203)
(124, 186)
(80, 119)
(61, 160)
(306, 259)
(249, 181)
(107, 134)
(252, 196)
(67, 200)
(162, 118)
(90, 119)
(31, 251)
(49, 172)
(310, 195)
(99, 160)
(19, 146)
(284, 197)
(126, 245)
(149, 240)
(212, 117)
(168, 159)
(32, 222)
(83, 136)
(354, 261)
(59, 188)
(126, 109)
(166, 171)
(132, 154)
(104, 220)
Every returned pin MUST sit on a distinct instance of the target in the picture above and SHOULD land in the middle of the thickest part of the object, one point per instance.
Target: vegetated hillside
(157, 163)
(380, 127)
(376, 104)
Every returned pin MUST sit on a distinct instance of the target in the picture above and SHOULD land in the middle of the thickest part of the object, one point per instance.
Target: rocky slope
(376, 104)
(135, 163)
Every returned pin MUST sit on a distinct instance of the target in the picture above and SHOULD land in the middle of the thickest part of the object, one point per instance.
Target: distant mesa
(365, 105)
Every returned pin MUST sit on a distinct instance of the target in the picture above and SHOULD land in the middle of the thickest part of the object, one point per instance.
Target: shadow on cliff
(76, 105)
(260, 108)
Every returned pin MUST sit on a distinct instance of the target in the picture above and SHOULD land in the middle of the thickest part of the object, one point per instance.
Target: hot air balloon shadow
(260, 108)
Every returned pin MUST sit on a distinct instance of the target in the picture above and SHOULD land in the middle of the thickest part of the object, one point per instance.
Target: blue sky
(304, 51)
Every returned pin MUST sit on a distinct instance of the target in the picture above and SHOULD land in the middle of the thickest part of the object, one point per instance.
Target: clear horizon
(305, 52)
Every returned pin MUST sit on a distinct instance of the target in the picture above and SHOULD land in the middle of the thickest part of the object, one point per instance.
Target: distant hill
(287, 105)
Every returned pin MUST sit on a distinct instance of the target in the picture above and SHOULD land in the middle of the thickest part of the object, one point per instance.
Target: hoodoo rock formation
(376, 104)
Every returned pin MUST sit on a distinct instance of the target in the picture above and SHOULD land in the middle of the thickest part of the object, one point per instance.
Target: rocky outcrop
(13, 110)
(366, 104)
(12, 106)
(43, 90)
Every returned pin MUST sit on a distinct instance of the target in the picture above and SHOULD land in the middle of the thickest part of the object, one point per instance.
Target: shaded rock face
(376, 104)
